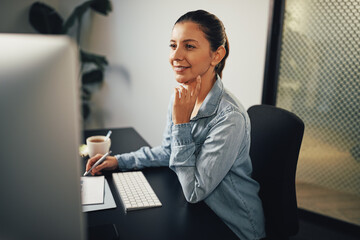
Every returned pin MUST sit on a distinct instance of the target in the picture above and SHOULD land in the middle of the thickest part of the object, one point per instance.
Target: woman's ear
(219, 54)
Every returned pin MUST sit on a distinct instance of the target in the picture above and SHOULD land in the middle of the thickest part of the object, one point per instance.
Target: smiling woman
(207, 137)
(189, 54)
(199, 47)
(212, 29)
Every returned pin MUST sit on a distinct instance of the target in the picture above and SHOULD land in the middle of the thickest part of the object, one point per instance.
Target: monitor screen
(40, 133)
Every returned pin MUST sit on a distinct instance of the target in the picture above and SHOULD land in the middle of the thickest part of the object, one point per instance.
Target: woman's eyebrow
(190, 40)
(186, 40)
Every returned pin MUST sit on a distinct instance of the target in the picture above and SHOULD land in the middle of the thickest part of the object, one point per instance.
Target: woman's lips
(180, 68)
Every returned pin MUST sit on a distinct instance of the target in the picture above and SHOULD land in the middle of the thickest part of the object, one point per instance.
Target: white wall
(135, 39)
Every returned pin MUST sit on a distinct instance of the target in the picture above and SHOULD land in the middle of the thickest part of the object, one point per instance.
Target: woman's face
(190, 53)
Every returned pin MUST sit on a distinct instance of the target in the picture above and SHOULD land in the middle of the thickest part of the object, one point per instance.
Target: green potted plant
(44, 19)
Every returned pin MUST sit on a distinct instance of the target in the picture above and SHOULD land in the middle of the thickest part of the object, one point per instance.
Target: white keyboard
(135, 191)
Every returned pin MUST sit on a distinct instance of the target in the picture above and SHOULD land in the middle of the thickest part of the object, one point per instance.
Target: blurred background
(134, 37)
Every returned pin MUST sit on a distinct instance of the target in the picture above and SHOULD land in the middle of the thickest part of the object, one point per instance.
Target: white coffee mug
(96, 144)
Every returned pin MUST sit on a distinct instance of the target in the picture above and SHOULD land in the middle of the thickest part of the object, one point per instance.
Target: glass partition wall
(319, 80)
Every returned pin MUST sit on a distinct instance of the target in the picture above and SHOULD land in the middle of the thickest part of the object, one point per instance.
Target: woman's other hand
(184, 102)
(110, 163)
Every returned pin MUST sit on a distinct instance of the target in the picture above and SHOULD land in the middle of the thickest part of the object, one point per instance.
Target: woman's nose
(177, 54)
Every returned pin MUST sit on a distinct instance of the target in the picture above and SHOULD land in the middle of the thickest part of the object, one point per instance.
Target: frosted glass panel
(319, 80)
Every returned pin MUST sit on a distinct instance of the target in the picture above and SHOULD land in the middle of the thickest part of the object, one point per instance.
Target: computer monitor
(40, 133)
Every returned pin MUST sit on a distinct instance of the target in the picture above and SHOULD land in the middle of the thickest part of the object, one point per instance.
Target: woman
(207, 138)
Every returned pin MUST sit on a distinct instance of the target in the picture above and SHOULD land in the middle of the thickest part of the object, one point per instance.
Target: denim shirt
(210, 156)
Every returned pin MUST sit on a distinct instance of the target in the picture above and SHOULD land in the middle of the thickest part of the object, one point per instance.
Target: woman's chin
(184, 80)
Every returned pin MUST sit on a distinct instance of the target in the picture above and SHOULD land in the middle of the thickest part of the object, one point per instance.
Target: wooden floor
(328, 202)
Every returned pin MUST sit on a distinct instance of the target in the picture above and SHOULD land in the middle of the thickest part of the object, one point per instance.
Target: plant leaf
(98, 60)
(101, 6)
(76, 14)
(45, 19)
(86, 94)
(92, 77)
(85, 110)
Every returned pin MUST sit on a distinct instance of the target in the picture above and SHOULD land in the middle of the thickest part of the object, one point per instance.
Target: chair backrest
(276, 136)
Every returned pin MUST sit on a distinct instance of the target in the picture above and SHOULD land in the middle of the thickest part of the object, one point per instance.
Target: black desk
(176, 219)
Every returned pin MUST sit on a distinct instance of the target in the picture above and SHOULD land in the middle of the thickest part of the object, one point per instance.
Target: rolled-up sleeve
(144, 157)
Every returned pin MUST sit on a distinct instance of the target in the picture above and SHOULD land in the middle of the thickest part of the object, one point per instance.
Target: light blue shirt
(210, 156)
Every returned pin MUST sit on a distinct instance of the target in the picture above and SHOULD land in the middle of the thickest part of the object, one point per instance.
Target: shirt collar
(212, 100)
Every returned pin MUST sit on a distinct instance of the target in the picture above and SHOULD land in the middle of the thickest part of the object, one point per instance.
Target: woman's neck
(207, 82)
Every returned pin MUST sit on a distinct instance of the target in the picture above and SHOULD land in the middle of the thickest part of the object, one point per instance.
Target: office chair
(276, 136)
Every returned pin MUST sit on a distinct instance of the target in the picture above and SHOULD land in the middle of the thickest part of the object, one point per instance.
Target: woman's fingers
(177, 95)
(182, 91)
(97, 169)
(188, 93)
(92, 161)
(110, 163)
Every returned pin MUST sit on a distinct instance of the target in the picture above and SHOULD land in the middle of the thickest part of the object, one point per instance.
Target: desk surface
(176, 219)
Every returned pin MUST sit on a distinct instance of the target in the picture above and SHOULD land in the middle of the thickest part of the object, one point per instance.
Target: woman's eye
(173, 46)
(189, 46)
